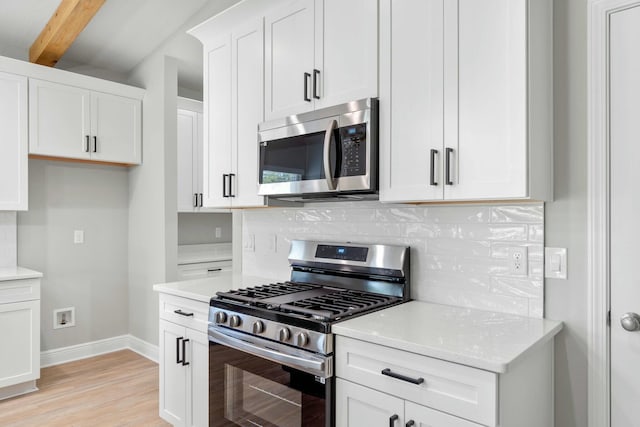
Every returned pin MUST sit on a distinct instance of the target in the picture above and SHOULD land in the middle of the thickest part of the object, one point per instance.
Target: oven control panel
(317, 342)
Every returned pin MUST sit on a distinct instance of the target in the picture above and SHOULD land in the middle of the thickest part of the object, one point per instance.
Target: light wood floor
(116, 389)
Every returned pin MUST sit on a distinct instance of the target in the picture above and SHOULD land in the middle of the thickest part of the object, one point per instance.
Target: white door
(20, 358)
(361, 406)
(187, 160)
(427, 417)
(486, 98)
(624, 63)
(411, 49)
(248, 111)
(59, 120)
(116, 128)
(173, 375)
(217, 124)
(346, 51)
(198, 377)
(14, 142)
(289, 60)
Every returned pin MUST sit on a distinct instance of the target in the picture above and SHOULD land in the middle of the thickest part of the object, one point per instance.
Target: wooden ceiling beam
(68, 21)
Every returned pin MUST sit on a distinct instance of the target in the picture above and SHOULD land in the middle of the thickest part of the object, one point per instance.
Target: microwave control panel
(354, 150)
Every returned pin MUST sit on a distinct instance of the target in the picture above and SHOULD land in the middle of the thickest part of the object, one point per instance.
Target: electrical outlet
(78, 236)
(218, 232)
(64, 317)
(518, 260)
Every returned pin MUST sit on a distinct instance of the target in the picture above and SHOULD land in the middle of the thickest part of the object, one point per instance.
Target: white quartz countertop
(481, 339)
(18, 273)
(192, 254)
(204, 289)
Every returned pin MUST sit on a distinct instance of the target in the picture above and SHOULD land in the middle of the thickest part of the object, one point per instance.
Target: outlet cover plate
(519, 260)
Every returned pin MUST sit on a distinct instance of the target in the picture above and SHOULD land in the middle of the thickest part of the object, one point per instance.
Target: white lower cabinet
(20, 333)
(184, 361)
(378, 385)
(357, 405)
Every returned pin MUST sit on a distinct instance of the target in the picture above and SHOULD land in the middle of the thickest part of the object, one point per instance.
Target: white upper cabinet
(346, 51)
(289, 68)
(72, 122)
(116, 128)
(13, 142)
(189, 140)
(233, 92)
(465, 100)
(320, 53)
(247, 81)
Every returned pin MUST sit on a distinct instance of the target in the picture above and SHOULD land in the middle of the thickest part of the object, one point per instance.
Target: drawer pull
(392, 420)
(388, 373)
(182, 313)
(410, 423)
(211, 270)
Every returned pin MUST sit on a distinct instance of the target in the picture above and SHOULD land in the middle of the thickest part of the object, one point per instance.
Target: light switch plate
(78, 236)
(249, 243)
(555, 263)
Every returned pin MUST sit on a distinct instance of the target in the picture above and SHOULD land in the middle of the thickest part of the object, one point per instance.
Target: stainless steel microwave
(328, 153)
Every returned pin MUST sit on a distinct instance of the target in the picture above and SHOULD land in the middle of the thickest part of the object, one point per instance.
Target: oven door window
(246, 390)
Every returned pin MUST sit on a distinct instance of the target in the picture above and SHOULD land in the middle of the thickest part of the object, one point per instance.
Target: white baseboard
(95, 348)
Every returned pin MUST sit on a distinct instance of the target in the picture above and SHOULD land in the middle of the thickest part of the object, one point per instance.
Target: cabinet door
(198, 379)
(487, 53)
(217, 125)
(289, 60)
(187, 160)
(346, 51)
(14, 142)
(173, 375)
(116, 128)
(248, 111)
(427, 417)
(59, 120)
(361, 406)
(411, 100)
(20, 337)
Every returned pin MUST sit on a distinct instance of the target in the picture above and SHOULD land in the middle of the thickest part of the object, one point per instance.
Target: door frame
(598, 221)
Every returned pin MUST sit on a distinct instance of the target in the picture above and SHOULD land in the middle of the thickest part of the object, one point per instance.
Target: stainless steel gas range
(271, 346)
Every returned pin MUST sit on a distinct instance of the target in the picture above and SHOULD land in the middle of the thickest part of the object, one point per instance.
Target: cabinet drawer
(448, 387)
(19, 290)
(202, 269)
(186, 312)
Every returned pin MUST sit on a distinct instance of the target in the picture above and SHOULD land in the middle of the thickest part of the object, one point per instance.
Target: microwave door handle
(328, 173)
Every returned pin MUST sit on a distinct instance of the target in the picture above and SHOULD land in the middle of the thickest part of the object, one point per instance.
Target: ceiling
(119, 37)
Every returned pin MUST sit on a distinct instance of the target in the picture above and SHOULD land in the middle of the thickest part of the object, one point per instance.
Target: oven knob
(284, 334)
(258, 327)
(235, 321)
(302, 339)
(221, 317)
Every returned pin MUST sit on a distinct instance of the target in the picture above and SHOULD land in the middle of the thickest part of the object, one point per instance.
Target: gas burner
(329, 283)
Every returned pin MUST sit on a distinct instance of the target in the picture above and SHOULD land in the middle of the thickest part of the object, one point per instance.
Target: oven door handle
(328, 173)
(311, 364)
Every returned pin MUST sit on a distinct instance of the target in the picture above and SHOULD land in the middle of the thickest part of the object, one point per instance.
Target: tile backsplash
(8, 239)
(458, 253)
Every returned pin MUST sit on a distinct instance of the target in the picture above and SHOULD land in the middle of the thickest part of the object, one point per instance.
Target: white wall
(92, 277)
(458, 253)
(198, 228)
(8, 240)
(566, 217)
(153, 197)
